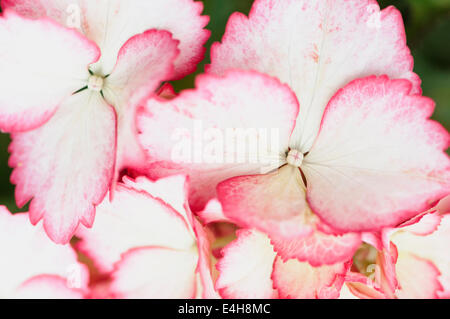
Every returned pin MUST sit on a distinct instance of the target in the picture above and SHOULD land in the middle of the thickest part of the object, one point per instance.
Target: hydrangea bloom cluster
(304, 163)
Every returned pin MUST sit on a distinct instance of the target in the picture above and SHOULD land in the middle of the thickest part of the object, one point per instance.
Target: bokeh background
(427, 24)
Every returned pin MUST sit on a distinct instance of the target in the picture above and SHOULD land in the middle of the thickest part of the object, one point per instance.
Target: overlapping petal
(133, 219)
(148, 248)
(143, 62)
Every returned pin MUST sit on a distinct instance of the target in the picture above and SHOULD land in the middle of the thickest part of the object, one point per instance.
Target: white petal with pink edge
(378, 160)
(236, 125)
(246, 267)
(65, 167)
(42, 64)
(417, 277)
(316, 47)
(144, 61)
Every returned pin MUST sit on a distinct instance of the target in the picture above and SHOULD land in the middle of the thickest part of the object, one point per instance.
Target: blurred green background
(427, 25)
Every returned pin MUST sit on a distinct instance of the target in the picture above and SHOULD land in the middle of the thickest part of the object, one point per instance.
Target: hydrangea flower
(308, 136)
(72, 75)
(32, 266)
(352, 157)
(148, 243)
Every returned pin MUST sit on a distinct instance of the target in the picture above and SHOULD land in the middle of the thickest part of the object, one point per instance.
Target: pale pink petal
(27, 253)
(316, 47)
(273, 203)
(299, 280)
(318, 248)
(378, 160)
(149, 273)
(143, 216)
(133, 219)
(212, 132)
(65, 167)
(47, 287)
(41, 65)
(246, 267)
(143, 62)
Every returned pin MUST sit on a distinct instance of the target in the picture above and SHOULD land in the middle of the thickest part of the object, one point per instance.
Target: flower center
(295, 158)
(95, 83)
